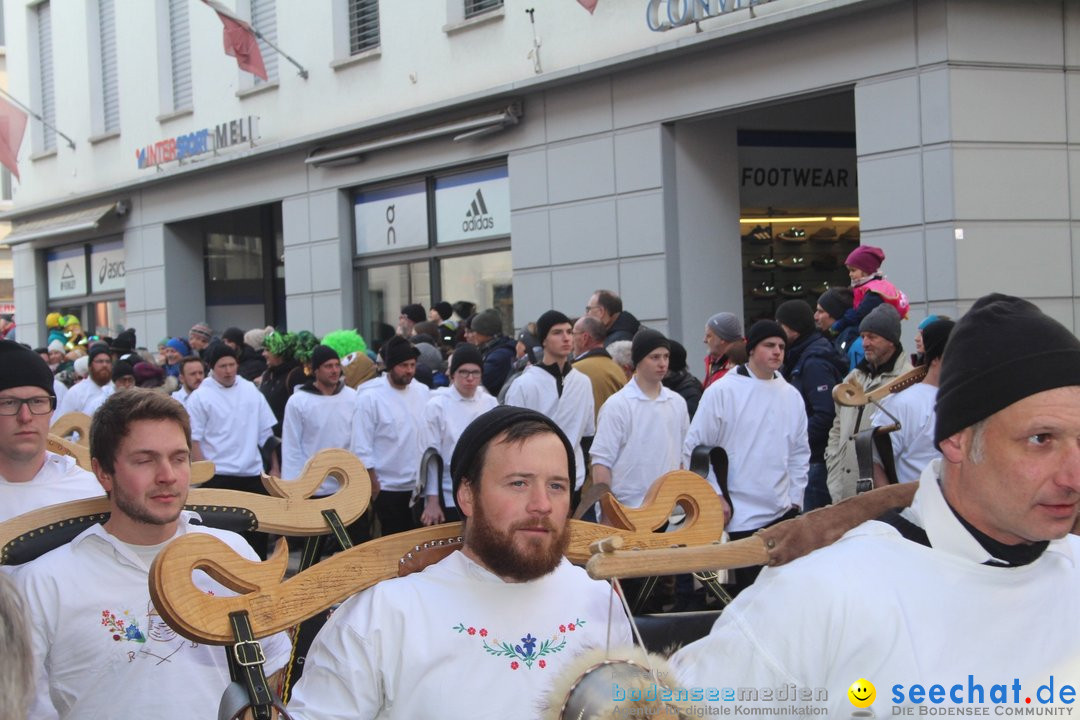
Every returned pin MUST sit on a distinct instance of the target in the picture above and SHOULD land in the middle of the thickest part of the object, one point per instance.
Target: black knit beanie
(489, 425)
(465, 354)
(979, 378)
(22, 367)
(321, 354)
(678, 357)
(415, 312)
(836, 301)
(645, 341)
(763, 329)
(398, 350)
(547, 321)
(797, 315)
(217, 351)
(934, 337)
(122, 369)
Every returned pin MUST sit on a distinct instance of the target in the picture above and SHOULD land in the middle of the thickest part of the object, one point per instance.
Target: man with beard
(760, 421)
(482, 632)
(31, 477)
(884, 361)
(88, 395)
(192, 373)
(318, 416)
(387, 433)
(100, 646)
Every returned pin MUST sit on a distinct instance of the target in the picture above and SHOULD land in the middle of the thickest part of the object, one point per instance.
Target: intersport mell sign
(663, 15)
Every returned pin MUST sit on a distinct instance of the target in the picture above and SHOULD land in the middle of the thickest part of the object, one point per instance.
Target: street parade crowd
(976, 578)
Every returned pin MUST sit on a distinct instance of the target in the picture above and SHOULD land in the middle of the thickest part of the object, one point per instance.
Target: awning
(60, 224)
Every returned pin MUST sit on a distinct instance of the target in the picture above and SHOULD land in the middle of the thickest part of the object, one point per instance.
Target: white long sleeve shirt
(85, 396)
(388, 431)
(101, 649)
(315, 422)
(59, 480)
(231, 424)
(913, 444)
(454, 642)
(572, 411)
(761, 424)
(875, 605)
(639, 439)
(446, 416)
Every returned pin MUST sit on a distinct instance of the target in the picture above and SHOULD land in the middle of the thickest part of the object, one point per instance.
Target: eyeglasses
(590, 308)
(37, 405)
(469, 373)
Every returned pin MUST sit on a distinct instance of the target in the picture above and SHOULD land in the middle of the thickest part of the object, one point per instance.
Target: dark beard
(139, 514)
(497, 552)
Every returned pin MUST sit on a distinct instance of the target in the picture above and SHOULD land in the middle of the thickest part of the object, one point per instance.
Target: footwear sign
(66, 270)
(473, 205)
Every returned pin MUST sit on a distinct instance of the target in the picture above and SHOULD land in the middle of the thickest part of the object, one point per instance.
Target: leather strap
(246, 660)
(864, 454)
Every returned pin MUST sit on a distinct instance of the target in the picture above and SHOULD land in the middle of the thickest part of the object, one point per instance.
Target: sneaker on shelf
(795, 262)
(764, 291)
(758, 236)
(821, 287)
(851, 234)
(794, 290)
(763, 262)
(825, 234)
(793, 235)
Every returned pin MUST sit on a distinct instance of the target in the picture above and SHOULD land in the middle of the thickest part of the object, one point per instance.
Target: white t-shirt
(639, 439)
(231, 424)
(454, 641)
(761, 424)
(877, 606)
(59, 480)
(182, 395)
(387, 432)
(85, 396)
(315, 422)
(100, 647)
(572, 411)
(913, 444)
(60, 390)
(446, 416)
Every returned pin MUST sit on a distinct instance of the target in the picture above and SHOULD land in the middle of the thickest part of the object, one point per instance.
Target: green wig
(305, 346)
(282, 344)
(344, 342)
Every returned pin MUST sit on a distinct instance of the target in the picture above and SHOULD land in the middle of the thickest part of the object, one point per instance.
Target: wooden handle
(73, 422)
(274, 605)
(201, 470)
(851, 394)
(646, 563)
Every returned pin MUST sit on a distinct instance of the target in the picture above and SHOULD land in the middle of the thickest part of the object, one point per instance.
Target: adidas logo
(477, 217)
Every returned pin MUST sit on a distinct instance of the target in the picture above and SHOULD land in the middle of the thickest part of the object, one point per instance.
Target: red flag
(240, 41)
(12, 127)
(589, 5)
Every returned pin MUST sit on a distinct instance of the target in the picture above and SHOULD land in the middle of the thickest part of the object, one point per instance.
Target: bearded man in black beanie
(31, 477)
(487, 624)
(554, 388)
(980, 572)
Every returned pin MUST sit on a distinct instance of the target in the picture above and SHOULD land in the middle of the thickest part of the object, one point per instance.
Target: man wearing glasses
(30, 476)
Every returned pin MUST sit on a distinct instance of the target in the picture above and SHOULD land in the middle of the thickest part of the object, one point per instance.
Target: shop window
(442, 237)
(234, 269)
(799, 216)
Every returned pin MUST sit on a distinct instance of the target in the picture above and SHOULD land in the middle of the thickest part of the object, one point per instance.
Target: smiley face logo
(862, 693)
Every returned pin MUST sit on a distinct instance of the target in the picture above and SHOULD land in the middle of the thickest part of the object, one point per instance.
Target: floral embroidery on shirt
(529, 650)
(122, 628)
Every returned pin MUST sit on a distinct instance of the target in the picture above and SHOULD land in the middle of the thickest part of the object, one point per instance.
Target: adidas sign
(477, 216)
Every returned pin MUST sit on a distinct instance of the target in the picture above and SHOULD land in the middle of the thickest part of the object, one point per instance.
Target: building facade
(692, 155)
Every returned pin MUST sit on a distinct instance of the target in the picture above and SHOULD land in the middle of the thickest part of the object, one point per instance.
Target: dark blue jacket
(813, 367)
(499, 354)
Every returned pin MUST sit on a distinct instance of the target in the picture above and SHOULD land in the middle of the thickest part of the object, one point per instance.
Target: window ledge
(488, 17)
(43, 155)
(257, 89)
(94, 140)
(360, 57)
(166, 117)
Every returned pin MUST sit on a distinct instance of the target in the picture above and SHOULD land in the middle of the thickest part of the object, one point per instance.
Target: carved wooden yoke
(288, 510)
(274, 604)
(69, 423)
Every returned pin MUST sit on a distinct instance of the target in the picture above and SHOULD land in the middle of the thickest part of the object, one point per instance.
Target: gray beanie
(726, 326)
(488, 322)
(884, 321)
